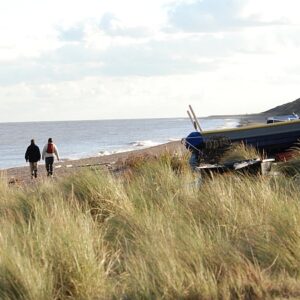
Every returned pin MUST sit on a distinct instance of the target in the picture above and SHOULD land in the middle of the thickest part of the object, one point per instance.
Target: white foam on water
(103, 153)
(146, 143)
(231, 123)
(173, 140)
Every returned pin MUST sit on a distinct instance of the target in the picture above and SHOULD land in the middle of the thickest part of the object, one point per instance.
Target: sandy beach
(21, 175)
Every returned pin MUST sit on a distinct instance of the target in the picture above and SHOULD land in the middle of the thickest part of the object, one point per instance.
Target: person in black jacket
(33, 155)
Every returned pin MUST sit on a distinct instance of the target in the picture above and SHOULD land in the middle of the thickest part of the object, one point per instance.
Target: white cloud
(213, 16)
(109, 59)
(272, 10)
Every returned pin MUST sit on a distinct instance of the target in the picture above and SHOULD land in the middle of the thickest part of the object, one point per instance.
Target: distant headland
(284, 109)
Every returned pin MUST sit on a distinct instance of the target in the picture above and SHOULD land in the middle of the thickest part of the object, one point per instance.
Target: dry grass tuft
(156, 236)
(239, 152)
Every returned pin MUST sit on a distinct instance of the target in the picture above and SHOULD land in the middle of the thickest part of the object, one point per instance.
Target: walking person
(33, 155)
(49, 151)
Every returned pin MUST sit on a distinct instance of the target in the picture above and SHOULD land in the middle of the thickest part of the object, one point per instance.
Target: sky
(116, 59)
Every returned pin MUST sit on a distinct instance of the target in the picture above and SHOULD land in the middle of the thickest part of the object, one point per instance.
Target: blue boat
(269, 138)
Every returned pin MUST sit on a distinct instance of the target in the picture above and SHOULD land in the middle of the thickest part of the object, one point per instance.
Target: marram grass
(153, 235)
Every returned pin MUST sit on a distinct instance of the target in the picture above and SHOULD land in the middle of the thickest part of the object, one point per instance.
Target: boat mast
(193, 122)
(194, 119)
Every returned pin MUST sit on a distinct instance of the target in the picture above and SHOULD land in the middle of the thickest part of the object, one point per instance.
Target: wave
(214, 124)
(181, 119)
(173, 139)
(133, 146)
(104, 153)
(147, 143)
(230, 123)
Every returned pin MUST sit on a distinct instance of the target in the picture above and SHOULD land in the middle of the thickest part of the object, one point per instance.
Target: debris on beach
(13, 180)
(249, 166)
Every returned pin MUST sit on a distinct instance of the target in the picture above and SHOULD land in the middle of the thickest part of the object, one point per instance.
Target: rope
(192, 146)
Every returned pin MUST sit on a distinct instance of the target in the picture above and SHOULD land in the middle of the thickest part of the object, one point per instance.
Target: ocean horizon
(81, 139)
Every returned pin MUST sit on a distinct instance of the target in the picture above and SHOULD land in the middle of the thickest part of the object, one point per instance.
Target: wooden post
(195, 118)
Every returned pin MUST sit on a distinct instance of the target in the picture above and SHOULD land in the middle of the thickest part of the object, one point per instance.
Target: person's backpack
(50, 148)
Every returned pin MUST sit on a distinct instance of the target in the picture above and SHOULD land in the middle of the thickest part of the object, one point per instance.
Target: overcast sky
(100, 59)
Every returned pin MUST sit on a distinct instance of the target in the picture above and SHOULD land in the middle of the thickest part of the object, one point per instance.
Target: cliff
(285, 109)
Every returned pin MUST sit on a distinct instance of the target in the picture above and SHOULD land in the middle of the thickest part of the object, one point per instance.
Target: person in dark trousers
(33, 155)
(49, 151)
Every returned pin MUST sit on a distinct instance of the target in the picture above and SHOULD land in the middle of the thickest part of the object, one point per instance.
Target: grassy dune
(151, 234)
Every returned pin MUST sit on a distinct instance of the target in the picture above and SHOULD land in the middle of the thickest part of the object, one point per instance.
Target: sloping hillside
(285, 109)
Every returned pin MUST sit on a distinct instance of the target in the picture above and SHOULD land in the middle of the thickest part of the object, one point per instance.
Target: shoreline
(21, 175)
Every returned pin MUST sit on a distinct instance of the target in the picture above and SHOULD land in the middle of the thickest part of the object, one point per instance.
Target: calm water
(78, 139)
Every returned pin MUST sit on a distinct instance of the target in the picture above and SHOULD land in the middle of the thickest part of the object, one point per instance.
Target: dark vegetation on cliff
(285, 109)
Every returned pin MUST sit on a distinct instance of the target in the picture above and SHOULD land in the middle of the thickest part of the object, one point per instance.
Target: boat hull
(270, 138)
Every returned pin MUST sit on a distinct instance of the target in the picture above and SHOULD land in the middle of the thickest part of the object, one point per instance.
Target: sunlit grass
(151, 235)
(240, 152)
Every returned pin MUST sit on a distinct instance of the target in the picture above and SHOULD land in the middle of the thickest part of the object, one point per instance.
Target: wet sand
(21, 175)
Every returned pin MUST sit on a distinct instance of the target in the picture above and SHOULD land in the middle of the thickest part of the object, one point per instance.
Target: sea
(81, 139)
